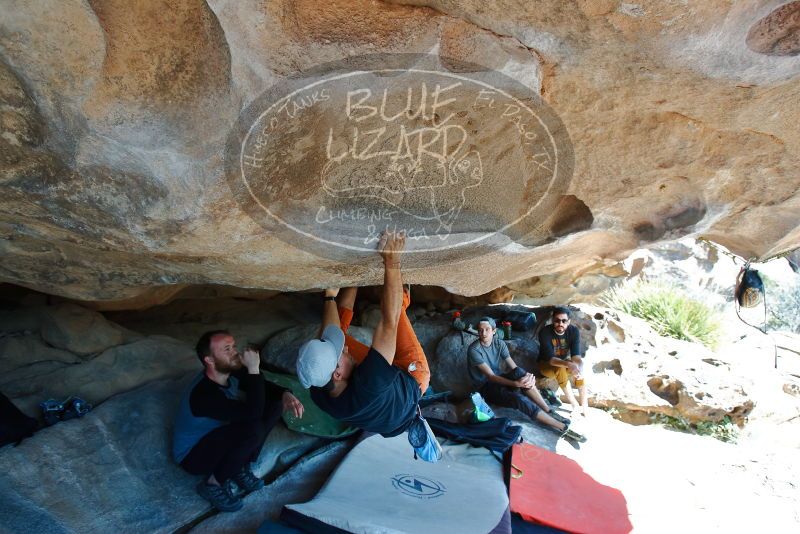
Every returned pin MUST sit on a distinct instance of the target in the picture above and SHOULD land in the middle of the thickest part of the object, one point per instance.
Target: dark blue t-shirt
(379, 397)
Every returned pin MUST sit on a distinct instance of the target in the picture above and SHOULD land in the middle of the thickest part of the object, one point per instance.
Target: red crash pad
(553, 490)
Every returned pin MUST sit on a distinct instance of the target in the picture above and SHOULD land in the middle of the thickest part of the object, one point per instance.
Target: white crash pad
(380, 487)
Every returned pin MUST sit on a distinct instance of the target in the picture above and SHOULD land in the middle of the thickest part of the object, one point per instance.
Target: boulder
(417, 312)
(108, 471)
(371, 316)
(472, 315)
(250, 321)
(19, 351)
(26, 319)
(449, 367)
(432, 297)
(429, 331)
(284, 447)
(20, 377)
(648, 374)
(112, 471)
(442, 300)
(524, 350)
(81, 331)
(114, 371)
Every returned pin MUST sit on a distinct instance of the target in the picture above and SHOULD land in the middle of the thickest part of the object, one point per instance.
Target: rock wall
(112, 470)
(54, 352)
(116, 121)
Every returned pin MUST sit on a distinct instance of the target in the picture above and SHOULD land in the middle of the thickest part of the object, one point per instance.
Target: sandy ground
(675, 482)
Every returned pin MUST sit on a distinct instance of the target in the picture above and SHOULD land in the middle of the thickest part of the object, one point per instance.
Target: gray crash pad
(380, 487)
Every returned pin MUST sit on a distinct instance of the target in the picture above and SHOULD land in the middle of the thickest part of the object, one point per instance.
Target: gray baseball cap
(489, 320)
(318, 358)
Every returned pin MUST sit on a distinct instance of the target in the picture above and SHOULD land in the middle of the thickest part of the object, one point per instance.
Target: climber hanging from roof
(375, 388)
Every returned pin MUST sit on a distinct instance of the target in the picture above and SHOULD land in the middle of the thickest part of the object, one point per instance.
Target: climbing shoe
(247, 481)
(570, 434)
(220, 497)
(558, 417)
(75, 407)
(52, 410)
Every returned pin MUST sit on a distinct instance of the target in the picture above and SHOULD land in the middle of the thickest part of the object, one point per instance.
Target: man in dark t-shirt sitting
(224, 418)
(374, 388)
(560, 357)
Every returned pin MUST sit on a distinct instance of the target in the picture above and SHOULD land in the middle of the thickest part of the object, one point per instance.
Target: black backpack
(14, 425)
(497, 435)
(749, 288)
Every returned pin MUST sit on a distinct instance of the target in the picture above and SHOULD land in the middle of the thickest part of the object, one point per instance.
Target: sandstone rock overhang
(117, 119)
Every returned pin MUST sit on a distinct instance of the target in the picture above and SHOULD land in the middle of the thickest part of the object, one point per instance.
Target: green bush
(724, 430)
(669, 310)
(783, 305)
(674, 423)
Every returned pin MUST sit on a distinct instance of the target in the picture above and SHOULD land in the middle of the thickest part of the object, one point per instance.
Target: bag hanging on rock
(749, 288)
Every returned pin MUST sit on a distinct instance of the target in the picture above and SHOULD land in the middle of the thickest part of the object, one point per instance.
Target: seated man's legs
(561, 375)
(581, 384)
(273, 409)
(532, 393)
(512, 398)
(409, 351)
(227, 450)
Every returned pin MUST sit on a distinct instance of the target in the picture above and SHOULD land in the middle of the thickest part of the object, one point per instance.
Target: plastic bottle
(458, 323)
(506, 326)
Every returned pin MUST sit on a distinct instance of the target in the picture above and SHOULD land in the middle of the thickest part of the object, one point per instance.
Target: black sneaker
(550, 397)
(558, 417)
(247, 481)
(220, 497)
(570, 434)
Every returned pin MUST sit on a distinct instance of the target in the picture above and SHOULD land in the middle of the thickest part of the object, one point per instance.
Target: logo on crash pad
(463, 160)
(417, 486)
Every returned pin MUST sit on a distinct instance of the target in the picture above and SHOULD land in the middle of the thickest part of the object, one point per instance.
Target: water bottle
(458, 323)
(506, 327)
